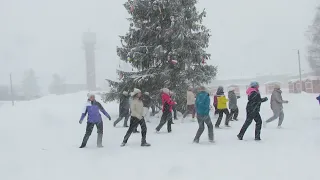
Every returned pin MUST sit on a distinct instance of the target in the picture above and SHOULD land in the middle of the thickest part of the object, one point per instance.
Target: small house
(309, 84)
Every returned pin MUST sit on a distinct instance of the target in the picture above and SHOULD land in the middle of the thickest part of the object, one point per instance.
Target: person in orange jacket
(222, 107)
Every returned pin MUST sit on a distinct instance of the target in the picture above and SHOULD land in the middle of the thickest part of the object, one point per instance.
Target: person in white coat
(191, 99)
(137, 118)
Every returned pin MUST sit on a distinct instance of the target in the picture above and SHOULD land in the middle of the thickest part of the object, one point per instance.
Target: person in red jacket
(167, 104)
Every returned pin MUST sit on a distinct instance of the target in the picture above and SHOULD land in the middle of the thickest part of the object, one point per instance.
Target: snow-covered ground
(40, 139)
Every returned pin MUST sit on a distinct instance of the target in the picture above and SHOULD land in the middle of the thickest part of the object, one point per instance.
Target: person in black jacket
(146, 99)
(253, 111)
(124, 109)
(174, 107)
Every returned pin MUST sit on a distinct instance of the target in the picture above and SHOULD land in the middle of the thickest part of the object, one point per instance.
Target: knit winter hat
(277, 86)
(135, 91)
(89, 95)
(254, 84)
(166, 90)
(231, 88)
(147, 93)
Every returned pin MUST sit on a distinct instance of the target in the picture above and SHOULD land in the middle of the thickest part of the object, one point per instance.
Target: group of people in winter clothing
(137, 106)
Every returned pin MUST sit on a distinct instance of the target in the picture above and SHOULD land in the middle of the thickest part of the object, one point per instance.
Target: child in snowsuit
(92, 109)
(222, 107)
(233, 104)
(276, 106)
(136, 107)
(124, 109)
(253, 111)
(203, 109)
(167, 104)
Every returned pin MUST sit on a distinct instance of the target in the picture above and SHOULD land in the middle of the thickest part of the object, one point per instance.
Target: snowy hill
(40, 139)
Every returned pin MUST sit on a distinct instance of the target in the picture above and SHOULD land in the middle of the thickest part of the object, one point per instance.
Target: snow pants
(146, 113)
(134, 122)
(190, 110)
(89, 130)
(201, 121)
(277, 114)
(250, 117)
(165, 118)
(174, 109)
(126, 118)
(234, 113)
(221, 112)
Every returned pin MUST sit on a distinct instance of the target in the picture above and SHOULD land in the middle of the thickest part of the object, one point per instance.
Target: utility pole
(11, 88)
(300, 71)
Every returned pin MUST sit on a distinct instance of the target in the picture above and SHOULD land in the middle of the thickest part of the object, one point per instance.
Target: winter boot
(196, 141)
(123, 144)
(217, 127)
(257, 139)
(227, 125)
(240, 137)
(145, 144)
(82, 146)
(211, 141)
(125, 126)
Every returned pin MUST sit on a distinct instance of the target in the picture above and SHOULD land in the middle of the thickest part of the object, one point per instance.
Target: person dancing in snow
(146, 99)
(233, 104)
(124, 109)
(203, 109)
(137, 118)
(222, 107)
(253, 111)
(92, 108)
(276, 103)
(190, 104)
(167, 104)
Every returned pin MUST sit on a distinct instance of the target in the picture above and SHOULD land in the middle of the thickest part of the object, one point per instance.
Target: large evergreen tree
(314, 47)
(166, 44)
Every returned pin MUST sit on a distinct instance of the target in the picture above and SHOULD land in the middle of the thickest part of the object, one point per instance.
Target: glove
(265, 99)
(109, 118)
(80, 121)
(286, 102)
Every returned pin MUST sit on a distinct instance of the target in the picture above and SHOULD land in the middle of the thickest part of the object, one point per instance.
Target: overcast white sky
(249, 37)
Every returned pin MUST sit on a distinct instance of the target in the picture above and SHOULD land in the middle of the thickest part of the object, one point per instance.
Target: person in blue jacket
(318, 98)
(203, 108)
(92, 109)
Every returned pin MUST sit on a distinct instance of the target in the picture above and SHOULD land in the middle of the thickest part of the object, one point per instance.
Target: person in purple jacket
(318, 98)
(92, 109)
